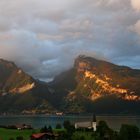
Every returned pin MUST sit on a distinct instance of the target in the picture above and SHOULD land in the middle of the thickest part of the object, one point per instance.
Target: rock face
(19, 92)
(90, 86)
(99, 78)
(13, 79)
(101, 86)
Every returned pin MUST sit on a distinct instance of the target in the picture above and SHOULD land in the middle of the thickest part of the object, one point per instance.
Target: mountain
(19, 92)
(13, 79)
(98, 86)
(91, 85)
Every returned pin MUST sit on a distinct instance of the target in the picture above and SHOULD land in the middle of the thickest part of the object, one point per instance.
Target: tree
(10, 139)
(19, 138)
(44, 129)
(67, 125)
(58, 126)
(50, 129)
(82, 138)
(102, 128)
(104, 132)
(129, 132)
(70, 129)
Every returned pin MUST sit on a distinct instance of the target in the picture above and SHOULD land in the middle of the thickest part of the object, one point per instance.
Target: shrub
(19, 138)
(129, 132)
(11, 139)
(58, 126)
(44, 129)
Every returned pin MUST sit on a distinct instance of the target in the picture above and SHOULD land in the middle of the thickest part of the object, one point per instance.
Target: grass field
(86, 135)
(6, 134)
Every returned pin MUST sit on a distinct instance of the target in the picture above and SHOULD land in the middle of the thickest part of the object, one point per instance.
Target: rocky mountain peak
(82, 64)
(6, 63)
(91, 85)
(99, 78)
(14, 79)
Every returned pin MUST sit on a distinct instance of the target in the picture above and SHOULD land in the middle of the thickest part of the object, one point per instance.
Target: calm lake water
(41, 120)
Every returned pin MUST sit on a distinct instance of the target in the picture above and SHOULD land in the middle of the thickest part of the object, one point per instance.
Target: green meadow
(6, 134)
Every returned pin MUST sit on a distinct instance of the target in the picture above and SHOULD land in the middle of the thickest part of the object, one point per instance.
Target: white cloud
(136, 27)
(43, 37)
(136, 5)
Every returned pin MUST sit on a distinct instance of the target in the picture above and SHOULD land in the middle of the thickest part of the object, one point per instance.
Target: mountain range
(91, 85)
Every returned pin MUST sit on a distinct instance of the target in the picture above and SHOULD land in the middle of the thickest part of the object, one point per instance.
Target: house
(23, 126)
(88, 124)
(19, 126)
(59, 113)
(43, 136)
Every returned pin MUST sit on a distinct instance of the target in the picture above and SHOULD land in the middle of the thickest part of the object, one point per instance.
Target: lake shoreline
(38, 121)
(86, 115)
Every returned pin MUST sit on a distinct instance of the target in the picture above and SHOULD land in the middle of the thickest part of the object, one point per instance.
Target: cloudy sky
(44, 36)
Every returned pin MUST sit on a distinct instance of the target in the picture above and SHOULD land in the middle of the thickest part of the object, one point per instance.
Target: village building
(43, 136)
(88, 125)
(23, 126)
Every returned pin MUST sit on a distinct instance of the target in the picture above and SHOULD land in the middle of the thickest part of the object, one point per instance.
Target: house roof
(38, 135)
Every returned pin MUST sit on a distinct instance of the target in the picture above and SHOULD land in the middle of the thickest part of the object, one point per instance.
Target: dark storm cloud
(43, 37)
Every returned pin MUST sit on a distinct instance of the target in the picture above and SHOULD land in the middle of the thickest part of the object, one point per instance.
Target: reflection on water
(41, 120)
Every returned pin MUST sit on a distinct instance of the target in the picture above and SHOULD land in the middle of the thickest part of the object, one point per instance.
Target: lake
(39, 121)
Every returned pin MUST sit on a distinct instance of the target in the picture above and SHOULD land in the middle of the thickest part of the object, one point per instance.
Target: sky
(44, 37)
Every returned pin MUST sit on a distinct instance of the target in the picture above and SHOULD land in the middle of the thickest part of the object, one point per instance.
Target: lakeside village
(90, 130)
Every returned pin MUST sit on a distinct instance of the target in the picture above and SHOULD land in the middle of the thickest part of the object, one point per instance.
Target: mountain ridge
(91, 85)
(97, 81)
(20, 92)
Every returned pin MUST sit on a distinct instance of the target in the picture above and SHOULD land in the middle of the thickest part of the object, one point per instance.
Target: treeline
(67, 131)
(126, 132)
